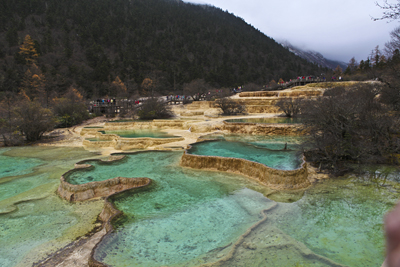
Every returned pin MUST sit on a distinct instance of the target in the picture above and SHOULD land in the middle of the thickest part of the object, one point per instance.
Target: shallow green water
(17, 175)
(187, 217)
(277, 159)
(266, 120)
(140, 134)
(21, 185)
(184, 215)
(37, 227)
(180, 236)
(96, 140)
(34, 222)
(12, 166)
(276, 142)
(341, 219)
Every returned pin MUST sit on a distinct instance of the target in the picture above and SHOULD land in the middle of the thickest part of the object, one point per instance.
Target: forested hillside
(89, 43)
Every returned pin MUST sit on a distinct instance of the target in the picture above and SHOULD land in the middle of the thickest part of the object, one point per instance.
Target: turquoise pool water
(14, 175)
(219, 204)
(266, 120)
(276, 142)
(277, 159)
(140, 134)
(341, 219)
(12, 166)
(182, 234)
(189, 217)
(96, 140)
(34, 222)
(21, 184)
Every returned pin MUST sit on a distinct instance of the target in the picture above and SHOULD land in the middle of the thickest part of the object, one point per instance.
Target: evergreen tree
(338, 72)
(90, 44)
(12, 37)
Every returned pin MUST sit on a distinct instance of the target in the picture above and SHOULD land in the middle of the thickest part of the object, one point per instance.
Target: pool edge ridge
(273, 178)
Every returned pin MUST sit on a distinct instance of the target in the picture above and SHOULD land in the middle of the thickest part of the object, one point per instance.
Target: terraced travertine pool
(139, 134)
(275, 142)
(277, 159)
(192, 217)
(267, 120)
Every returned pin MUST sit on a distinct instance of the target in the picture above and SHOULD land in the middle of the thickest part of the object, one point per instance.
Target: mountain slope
(88, 43)
(314, 57)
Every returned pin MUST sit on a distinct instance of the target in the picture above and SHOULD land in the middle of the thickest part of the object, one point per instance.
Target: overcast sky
(339, 29)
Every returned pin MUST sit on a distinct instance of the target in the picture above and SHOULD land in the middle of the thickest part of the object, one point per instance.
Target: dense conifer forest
(93, 44)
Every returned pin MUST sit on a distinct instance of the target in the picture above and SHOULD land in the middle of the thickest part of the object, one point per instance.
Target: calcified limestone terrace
(91, 190)
(120, 143)
(275, 157)
(96, 189)
(284, 93)
(151, 125)
(333, 223)
(310, 90)
(273, 178)
(263, 129)
(186, 131)
(268, 120)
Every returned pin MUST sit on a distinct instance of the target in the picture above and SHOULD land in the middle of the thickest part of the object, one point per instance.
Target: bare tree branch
(391, 11)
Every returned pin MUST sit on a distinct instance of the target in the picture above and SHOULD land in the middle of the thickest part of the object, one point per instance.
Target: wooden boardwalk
(115, 107)
(293, 83)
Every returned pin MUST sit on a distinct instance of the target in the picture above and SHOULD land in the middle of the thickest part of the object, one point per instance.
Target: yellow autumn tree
(119, 88)
(74, 95)
(28, 51)
(147, 86)
(33, 84)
